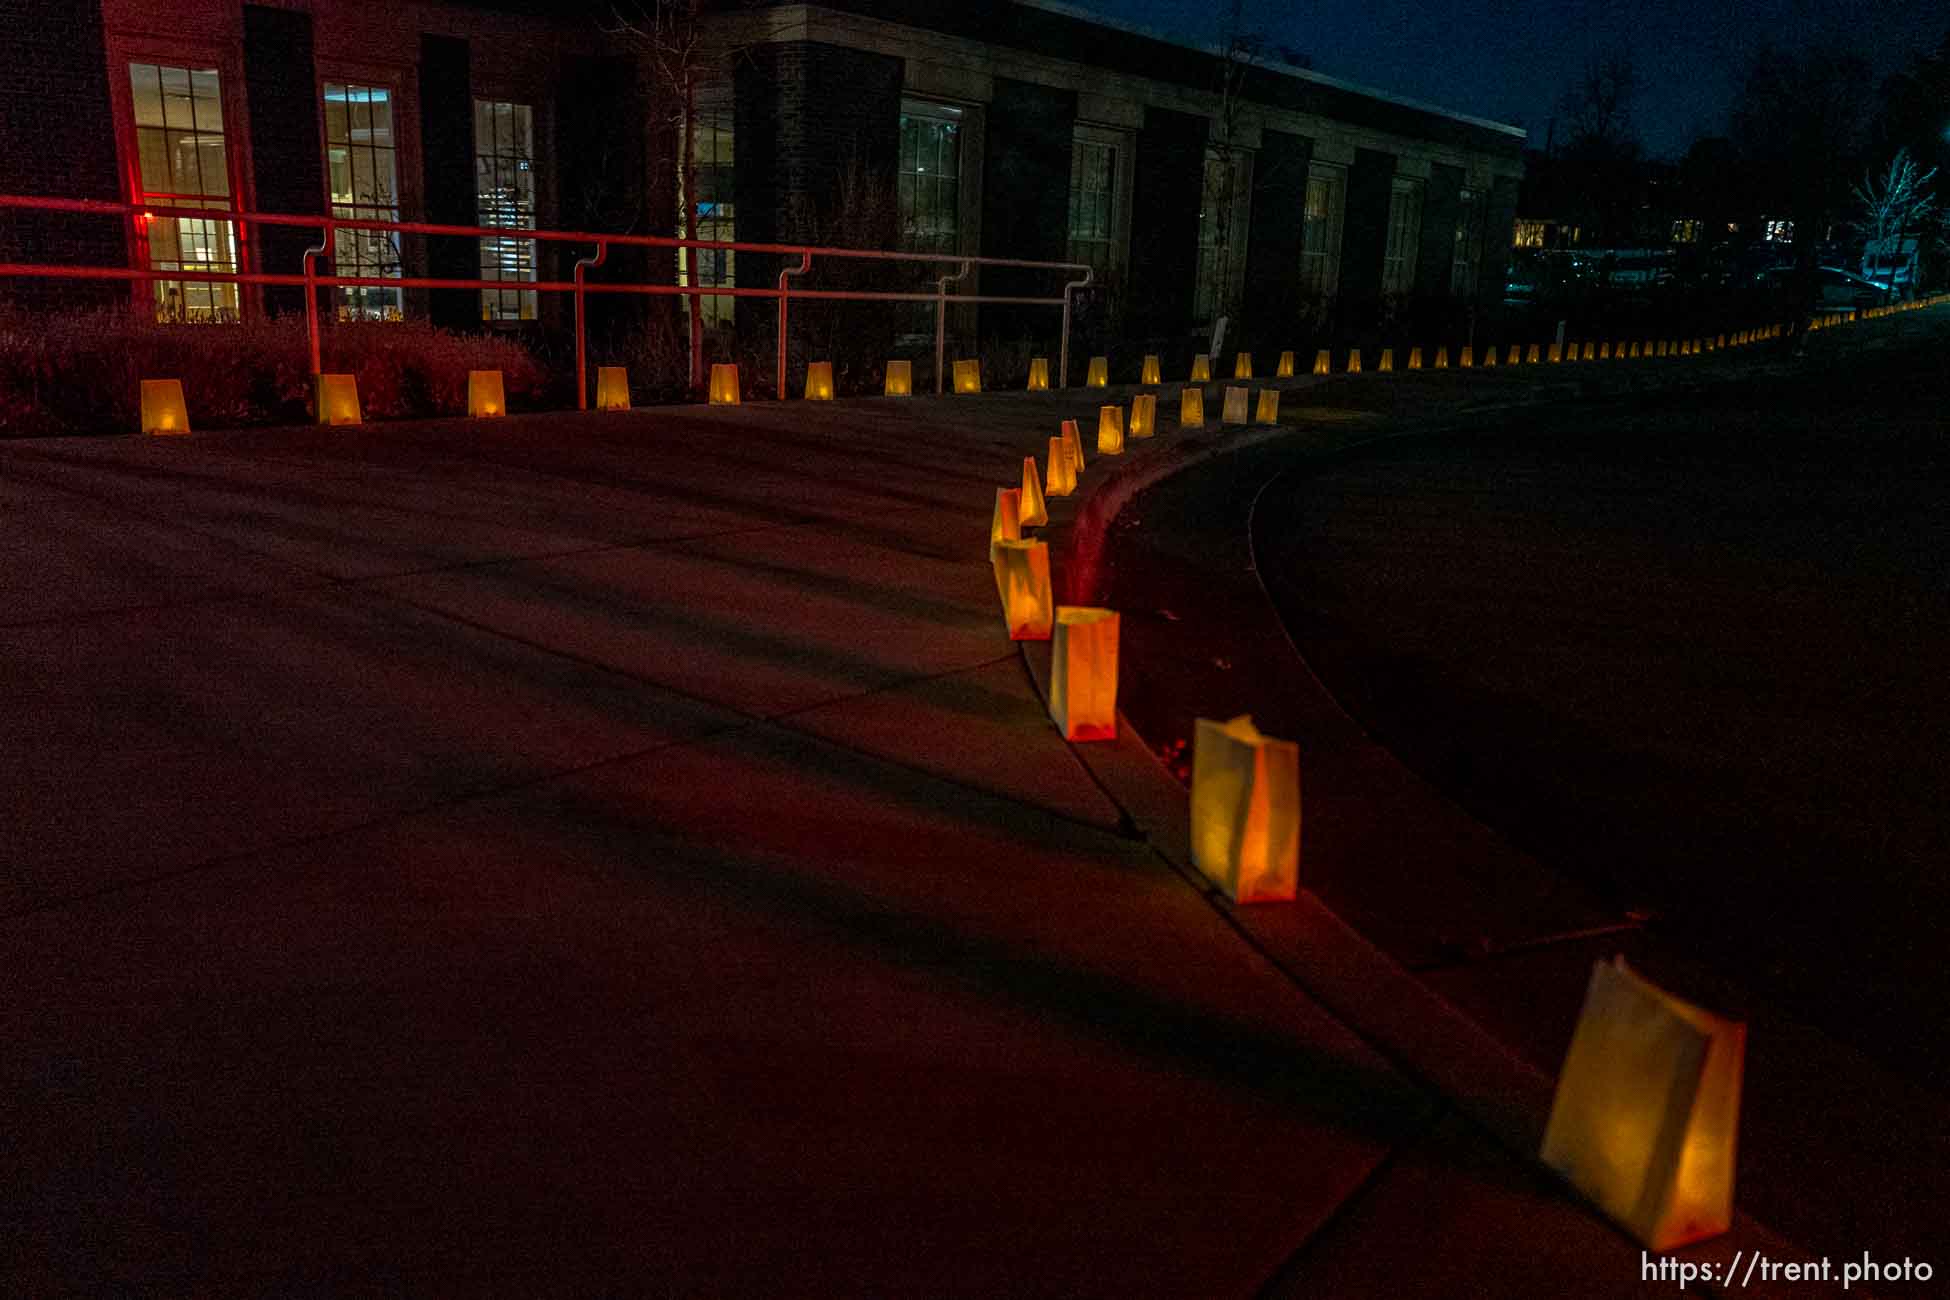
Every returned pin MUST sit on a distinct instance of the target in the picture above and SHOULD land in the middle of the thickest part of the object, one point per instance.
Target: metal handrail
(328, 226)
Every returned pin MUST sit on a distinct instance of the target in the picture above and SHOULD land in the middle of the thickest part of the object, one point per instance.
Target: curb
(1433, 1043)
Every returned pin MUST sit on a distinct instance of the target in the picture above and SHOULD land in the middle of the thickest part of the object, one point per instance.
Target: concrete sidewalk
(624, 855)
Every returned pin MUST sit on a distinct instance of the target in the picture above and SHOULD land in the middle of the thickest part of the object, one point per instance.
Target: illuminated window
(1404, 229)
(1093, 204)
(1685, 232)
(183, 162)
(1469, 244)
(1779, 232)
(504, 188)
(716, 216)
(928, 180)
(1528, 234)
(361, 166)
(1320, 230)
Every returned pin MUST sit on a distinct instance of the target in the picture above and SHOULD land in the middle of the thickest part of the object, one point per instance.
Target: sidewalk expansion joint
(1295, 1260)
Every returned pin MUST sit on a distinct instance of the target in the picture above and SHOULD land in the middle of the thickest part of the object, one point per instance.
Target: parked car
(1835, 289)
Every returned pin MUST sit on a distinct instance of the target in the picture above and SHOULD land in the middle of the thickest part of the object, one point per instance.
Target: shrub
(81, 373)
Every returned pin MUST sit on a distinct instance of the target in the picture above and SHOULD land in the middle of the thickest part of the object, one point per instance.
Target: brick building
(1018, 128)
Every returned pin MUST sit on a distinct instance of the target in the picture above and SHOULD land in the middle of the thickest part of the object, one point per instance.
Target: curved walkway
(583, 854)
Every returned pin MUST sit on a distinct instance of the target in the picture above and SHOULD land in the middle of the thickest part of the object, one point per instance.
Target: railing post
(323, 246)
(941, 321)
(1063, 350)
(1063, 347)
(805, 265)
(582, 324)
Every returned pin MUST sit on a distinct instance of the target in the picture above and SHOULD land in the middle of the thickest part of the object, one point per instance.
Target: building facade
(1194, 185)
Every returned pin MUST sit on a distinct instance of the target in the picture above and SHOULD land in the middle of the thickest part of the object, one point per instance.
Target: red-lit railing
(329, 226)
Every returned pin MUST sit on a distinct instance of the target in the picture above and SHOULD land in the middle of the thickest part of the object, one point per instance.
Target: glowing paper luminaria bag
(1062, 479)
(1031, 513)
(1234, 410)
(484, 394)
(1191, 408)
(1647, 1110)
(1110, 431)
(338, 399)
(1246, 810)
(163, 410)
(612, 388)
(1074, 441)
(1005, 525)
(819, 381)
(1083, 673)
(1022, 580)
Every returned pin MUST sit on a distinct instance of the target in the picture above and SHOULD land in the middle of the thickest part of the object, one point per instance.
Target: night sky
(1511, 59)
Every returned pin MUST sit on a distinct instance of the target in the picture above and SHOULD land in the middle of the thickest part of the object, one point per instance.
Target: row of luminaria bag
(1645, 1116)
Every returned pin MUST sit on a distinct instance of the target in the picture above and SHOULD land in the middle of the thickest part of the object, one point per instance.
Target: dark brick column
(1025, 201)
(286, 169)
(447, 171)
(1364, 233)
(1273, 250)
(1164, 221)
(1441, 210)
(808, 117)
(57, 138)
(601, 125)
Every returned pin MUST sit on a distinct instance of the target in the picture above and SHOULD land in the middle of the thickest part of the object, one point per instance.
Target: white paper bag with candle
(1647, 1110)
(1246, 810)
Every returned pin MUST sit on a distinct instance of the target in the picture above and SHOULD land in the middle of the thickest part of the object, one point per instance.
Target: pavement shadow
(1368, 1100)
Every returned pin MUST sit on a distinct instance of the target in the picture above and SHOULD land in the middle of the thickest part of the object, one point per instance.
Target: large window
(1320, 231)
(928, 180)
(362, 169)
(183, 162)
(1404, 230)
(504, 186)
(1093, 204)
(716, 217)
(1469, 244)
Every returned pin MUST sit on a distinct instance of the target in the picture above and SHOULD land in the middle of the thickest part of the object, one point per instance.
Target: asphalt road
(1687, 650)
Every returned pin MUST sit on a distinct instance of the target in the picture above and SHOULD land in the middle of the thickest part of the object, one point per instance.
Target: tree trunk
(690, 224)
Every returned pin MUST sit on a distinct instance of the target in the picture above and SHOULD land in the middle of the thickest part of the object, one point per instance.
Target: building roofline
(1080, 14)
